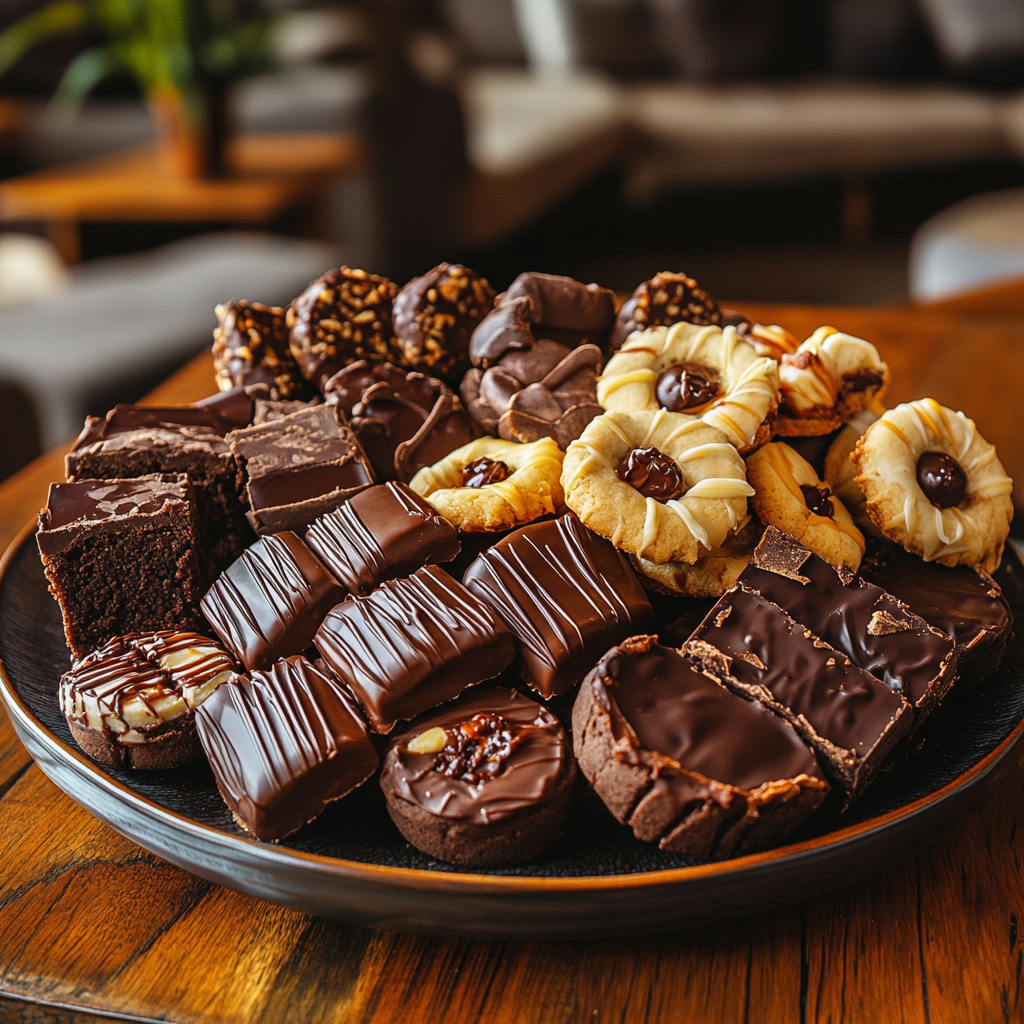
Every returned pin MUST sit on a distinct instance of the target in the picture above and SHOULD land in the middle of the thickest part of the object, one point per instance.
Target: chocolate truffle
(298, 468)
(685, 763)
(344, 315)
(664, 300)
(403, 419)
(282, 745)
(382, 533)
(236, 404)
(485, 780)
(413, 644)
(567, 595)
(434, 317)
(122, 556)
(131, 704)
(270, 602)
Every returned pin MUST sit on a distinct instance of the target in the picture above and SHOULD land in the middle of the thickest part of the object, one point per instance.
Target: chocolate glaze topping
(942, 479)
(123, 418)
(652, 473)
(817, 500)
(684, 386)
(484, 471)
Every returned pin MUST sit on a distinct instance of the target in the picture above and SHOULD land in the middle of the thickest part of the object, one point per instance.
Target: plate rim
(423, 878)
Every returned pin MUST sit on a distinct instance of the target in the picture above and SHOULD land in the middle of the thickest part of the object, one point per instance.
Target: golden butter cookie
(935, 485)
(490, 485)
(789, 496)
(840, 475)
(659, 485)
(701, 371)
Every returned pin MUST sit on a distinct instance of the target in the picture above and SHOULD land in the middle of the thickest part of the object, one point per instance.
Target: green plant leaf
(20, 37)
(84, 72)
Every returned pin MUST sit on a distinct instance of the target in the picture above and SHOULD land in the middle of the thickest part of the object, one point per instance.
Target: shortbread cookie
(935, 485)
(701, 371)
(660, 485)
(769, 340)
(839, 474)
(789, 496)
(491, 485)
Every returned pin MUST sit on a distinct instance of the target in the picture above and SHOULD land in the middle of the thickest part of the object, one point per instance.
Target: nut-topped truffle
(664, 300)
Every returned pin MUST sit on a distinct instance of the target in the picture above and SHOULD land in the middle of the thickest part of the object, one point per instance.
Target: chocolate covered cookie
(665, 299)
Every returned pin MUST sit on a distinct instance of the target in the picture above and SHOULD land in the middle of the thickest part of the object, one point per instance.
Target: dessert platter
(523, 614)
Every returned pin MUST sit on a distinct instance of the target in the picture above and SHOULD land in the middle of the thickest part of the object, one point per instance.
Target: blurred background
(857, 152)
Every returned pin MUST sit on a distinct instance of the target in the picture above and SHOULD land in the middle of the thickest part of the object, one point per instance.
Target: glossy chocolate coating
(683, 387)
(483, 472)
(282, 744)
(942, 479)
(413, 644)
(236, 404)
(567, 595)
(124, 418)
(382, 533)
(652, 473)
(817, 500)
(665, 299)
(269, 603)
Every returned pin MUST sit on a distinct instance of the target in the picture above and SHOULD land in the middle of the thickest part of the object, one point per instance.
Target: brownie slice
(684, 762)
(122, 556)
(299, 467)
(849, 717)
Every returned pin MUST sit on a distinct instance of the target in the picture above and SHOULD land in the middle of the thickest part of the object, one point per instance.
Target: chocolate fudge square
(298, 468)
(122, 556)
(382, 533)
(849, 717)
(567, 595)
(124, 450)
(282, 745)
(412, 644)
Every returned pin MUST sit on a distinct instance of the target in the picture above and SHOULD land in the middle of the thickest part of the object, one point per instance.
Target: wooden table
(269, 174)
(90, 921)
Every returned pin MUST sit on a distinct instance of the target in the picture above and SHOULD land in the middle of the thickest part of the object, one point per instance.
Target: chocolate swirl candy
(282, 745)
(487, 779)
(665, 299)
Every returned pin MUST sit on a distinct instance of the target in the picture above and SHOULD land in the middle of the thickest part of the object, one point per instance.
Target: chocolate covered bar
(282, 744)
(566, 594)
(413, 644)
(380, 534)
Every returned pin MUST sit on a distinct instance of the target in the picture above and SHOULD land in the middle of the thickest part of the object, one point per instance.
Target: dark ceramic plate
(351, 863)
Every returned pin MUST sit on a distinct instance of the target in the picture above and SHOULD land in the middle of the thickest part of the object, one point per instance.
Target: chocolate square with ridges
(567, 595)
(283, 744)
(413, 644)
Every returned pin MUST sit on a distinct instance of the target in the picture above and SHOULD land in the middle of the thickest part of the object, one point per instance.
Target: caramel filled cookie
(664, 300)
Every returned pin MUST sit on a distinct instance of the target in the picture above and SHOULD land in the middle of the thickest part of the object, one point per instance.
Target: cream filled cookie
(935, 485)
(659, 485)
(700, 371)
(490, 485)
(789, 496)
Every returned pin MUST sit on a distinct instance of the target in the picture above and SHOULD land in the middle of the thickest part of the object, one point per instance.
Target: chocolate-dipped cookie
(665, 299)
(485, 780)
(434, 316)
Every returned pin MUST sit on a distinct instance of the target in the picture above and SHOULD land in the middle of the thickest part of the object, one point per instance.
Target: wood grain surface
(90, 923)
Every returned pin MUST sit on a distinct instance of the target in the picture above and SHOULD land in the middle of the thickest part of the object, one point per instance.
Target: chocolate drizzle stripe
(355, 551)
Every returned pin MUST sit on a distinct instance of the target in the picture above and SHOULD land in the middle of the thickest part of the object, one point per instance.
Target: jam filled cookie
(935, 485)
(701, 371)
(491, 485)
(661, 486)
(664, 300)
(788, 495)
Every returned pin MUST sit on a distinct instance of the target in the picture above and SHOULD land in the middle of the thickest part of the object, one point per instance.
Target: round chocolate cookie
(664, 300)
(487, 779)
(435, 315)
(344, 315)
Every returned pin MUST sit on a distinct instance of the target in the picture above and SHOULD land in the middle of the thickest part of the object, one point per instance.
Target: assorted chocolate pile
(407, 508)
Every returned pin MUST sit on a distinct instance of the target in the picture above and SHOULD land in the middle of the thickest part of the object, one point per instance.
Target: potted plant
(182, 53)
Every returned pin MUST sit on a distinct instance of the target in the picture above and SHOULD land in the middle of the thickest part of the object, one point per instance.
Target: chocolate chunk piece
(236, 404)
(344, 315)
(384, 532)
(847, 612)
(122, 556)
(282, 745)
(131, 704)
(271, 601)
(298, 468)
(852, 719)
(684, 762)
(567, 595)
(434, 317)
(665, 299)
(267, 410)
(251, 345)
(124, 418)
(403, 419)
(413, 644)
(487, 779)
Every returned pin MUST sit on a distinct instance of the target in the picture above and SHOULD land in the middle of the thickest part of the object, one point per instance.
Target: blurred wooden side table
(268, 174)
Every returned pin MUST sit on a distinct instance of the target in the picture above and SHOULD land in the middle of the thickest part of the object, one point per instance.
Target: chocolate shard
(382, 533)
(271, 601)
(849, 717)
(283, 744)
(684, 762)
(567, 595)
(413, 644)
